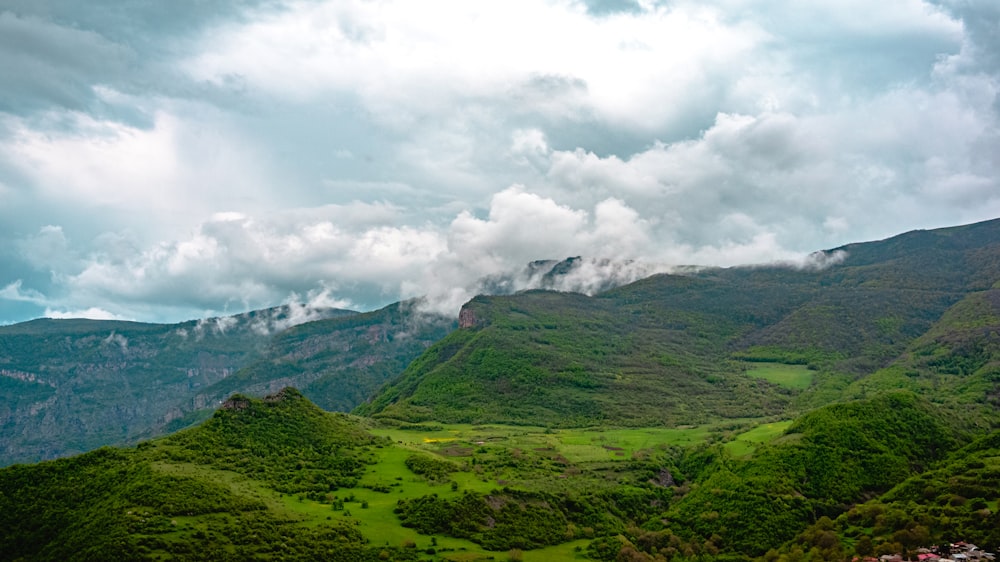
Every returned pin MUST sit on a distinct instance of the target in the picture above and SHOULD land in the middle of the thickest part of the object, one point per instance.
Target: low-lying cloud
(235, 262)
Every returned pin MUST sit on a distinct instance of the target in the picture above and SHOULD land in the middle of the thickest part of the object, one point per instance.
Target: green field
(577, 445)
(747, 442)
(485, 459)
(794, 377)
(587, 453)
(278, 478)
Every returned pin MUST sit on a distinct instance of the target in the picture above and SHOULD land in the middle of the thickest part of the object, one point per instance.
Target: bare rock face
(236, 403)
(467, 318)
(283, 395)
(663, 479)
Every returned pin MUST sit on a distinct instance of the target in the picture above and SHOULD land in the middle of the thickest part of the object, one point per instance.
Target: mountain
(845, 406)
(338, 362)
(70, 386)
(958, 359)
(681, 349)
(675, 349)
(203, 494)
(565, 359)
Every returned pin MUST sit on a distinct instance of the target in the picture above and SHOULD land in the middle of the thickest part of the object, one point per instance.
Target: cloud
(239, 261)
(92, 313)
(47, 64)
(171, 169)
(14, 292)
(405, 61)
(208, 158)
(841, 170)
(48, 250)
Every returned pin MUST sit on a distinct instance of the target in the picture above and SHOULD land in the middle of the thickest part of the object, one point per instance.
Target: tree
(864, 546)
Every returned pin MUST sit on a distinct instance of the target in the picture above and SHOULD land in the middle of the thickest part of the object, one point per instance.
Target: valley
(771, 413)
(279, 478)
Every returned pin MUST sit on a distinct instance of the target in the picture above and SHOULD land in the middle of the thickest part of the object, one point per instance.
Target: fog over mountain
(167, 162)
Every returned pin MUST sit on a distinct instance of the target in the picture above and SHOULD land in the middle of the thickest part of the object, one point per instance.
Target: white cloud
(92, 313)
(241, 261)
(14, 292)
(897, 157)
(377, 150)
(406, 60)
(167, 172)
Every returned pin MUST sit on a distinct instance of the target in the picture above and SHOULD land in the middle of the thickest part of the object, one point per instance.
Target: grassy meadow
(487, 458)
(745, 443)
(792, 377)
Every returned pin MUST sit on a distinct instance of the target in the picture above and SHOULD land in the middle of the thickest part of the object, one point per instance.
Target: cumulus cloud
(407, 61)
(210, 159)
(248, 262)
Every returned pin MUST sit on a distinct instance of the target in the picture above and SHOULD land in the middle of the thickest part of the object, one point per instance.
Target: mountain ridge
(512, 355)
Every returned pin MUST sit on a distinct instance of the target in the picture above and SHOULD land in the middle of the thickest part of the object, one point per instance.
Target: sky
(163, 161)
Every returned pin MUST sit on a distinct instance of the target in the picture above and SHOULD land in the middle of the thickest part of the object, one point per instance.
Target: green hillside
(956, 362)
(278, 478)
(827, 459)
(561, 359)
(954, 501)
(676, 349)
(203, 494)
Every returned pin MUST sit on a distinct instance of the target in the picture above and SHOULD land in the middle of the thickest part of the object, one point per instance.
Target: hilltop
(200, 494)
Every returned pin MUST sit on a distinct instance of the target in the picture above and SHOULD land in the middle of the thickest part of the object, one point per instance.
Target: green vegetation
(82, 384)
(285, 442)
(744, 444)
(795, 377)
(704, 347)
(955, 500)
(730, 414)
(71, 386)
(564, 360)
(189, 496)
(279, 478)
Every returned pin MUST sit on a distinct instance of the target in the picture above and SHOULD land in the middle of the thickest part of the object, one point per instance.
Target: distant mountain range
(69, 386)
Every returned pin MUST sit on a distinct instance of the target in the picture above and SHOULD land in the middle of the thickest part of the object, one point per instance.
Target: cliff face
(466, 318)
(478, 312)
(340, 362)
(100, 383)
(69, 386)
